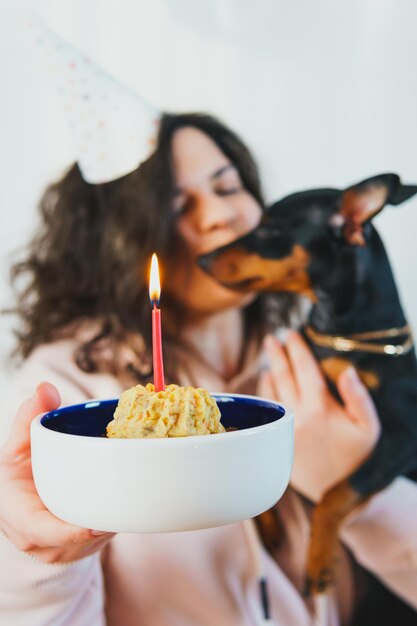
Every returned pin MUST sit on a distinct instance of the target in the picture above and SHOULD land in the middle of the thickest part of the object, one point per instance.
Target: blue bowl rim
(286, 416)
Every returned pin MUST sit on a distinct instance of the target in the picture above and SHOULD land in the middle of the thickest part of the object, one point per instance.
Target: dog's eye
(266, 232)
(337, 221)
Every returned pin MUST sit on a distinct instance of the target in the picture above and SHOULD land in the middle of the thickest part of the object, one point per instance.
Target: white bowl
(162, 485)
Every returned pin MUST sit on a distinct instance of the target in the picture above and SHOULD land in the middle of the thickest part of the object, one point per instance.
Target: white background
(323, 91)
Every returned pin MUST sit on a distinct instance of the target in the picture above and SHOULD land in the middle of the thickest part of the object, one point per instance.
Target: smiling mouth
(241, 284)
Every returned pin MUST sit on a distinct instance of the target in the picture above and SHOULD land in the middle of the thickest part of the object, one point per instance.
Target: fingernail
(269, 342)
(282, 335)
(263, 362)
(352, 374)
(96, 533)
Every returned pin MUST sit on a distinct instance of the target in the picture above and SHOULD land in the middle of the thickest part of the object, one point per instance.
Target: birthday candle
(155, 294)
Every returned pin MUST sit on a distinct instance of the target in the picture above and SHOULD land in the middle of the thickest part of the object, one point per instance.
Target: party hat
(114, 128)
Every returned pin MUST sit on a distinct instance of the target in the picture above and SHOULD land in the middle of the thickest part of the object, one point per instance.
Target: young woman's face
(212, 209)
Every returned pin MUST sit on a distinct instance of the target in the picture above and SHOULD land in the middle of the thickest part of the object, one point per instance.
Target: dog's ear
(400, 193)
(363, 201)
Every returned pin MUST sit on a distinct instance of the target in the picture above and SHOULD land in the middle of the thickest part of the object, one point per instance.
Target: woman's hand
(331, 439)
(23, 516)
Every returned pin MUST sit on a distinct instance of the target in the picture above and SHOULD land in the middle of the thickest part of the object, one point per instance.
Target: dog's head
(304, 236)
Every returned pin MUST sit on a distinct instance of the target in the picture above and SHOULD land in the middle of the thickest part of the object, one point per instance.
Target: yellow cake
(175, 412)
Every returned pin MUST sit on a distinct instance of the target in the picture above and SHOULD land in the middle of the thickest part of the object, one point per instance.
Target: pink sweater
(202, 578)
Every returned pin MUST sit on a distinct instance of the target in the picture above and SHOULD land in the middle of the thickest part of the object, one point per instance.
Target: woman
(86, 330)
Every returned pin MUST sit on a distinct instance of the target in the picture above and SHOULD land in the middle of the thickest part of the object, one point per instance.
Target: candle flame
(154, 283)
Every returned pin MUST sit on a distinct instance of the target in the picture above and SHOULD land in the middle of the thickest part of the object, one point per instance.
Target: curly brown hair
(90, 258)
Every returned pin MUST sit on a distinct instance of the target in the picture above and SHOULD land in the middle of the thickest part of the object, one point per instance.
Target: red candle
(155, 294)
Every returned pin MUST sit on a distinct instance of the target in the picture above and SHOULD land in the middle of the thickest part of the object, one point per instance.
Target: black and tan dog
(321, 243)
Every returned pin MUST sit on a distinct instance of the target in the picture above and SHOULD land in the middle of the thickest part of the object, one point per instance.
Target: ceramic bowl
(162, 485)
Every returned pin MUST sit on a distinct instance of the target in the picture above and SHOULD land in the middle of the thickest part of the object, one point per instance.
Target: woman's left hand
(331, 439)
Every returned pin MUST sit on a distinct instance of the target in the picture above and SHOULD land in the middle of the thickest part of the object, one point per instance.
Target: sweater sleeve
(54, 363)
(382, 535)
(36, 593)
(33, 592)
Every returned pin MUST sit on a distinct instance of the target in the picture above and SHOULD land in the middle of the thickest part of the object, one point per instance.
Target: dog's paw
(319, 582)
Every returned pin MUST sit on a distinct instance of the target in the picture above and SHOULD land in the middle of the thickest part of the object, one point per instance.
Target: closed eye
(180, 210)
(228, 192)
(182, 203)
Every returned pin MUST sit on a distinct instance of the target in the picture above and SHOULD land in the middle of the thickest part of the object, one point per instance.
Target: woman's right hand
(23, 517)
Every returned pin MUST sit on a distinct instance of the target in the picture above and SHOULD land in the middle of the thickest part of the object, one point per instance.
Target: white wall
(325, 93)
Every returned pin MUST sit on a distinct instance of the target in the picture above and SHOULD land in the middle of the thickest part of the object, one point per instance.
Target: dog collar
(362, 342)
